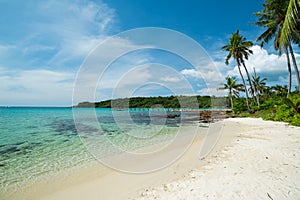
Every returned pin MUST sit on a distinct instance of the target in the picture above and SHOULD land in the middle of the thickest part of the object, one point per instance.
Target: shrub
(284, 113)
(296, 120)
(269, 116)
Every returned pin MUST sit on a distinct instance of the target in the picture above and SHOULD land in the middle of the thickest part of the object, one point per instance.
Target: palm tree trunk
(256, 89)
(257, 95)
(231, 100)
(246, 91)
(295, 66)
(253, 91)
(249, 79)
(289, 70)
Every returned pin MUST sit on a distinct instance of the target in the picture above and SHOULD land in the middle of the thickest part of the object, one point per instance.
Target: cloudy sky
(47, 47)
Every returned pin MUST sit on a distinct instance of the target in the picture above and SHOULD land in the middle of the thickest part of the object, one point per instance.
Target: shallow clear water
(41, 142)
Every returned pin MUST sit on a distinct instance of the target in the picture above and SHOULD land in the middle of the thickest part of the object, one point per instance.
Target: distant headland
(159, 101)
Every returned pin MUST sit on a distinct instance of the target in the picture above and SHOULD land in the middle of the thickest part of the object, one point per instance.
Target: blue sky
(44, 43)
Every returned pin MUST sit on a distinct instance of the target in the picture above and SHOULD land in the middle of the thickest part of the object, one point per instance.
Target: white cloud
(107, 64)
(6, 48)
(208, 75)
(80, 27)
(35, 87)
(212, 92)
(266, 64)
(171, 79)
(192, 73)
(135, 76)
(263, 61)
(147, 79)
(59, 34)
(212, 77)
(73, 18)
(37, 48)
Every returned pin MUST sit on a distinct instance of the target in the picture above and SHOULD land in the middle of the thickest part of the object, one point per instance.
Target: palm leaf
(290, 104)
(290, 23)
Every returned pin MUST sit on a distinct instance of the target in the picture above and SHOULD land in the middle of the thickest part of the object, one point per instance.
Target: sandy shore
(253, 159)
(263, 162)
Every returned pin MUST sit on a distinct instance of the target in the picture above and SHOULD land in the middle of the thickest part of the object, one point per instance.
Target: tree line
(281, 20)
(183, 102)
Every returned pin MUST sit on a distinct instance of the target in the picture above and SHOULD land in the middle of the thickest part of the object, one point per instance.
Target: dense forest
(275, 104)
(165, 102)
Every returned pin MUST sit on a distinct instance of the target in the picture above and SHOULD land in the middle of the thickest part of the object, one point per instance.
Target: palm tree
(289, 70)
(290, 26)
(238, 48)
(233, 89)
(292, 103)
(273, 17)
(279, 91)
(259, 84)
(267, 92)
(295, 65)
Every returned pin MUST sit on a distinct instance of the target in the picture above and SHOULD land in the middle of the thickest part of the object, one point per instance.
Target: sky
(45, 45)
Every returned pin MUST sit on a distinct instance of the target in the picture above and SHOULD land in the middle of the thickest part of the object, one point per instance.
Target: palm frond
(290, 23)
(266, 36)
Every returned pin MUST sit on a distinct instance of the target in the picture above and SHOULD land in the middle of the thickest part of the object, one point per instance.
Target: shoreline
(87, 173)
(242, 164)
(262, 162)
(104, 187)
(118, 185)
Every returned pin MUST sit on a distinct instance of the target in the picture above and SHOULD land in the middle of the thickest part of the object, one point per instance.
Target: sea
(38, 143)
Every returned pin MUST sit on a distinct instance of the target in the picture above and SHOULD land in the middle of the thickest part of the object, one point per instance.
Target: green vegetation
(290, 26)
(233, 89)
(281, 21)
(148, 102)
(238, 48)
(276, 108)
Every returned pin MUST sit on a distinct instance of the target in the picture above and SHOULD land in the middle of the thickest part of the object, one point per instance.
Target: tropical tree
(279, 91)
(233, 89)
(239, 49)
(274, 16)
(291, 32)
(293, 103)
(290, 27)
(259, 85)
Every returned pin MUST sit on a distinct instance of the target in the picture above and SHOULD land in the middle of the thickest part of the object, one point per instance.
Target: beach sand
(262, 162)
(253, 159)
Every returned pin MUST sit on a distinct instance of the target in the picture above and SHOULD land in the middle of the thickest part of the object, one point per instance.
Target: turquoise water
(35, 142)
(40, 142)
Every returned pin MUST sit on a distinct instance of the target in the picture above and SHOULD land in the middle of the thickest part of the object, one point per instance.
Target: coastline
(262, 162)
(118, 185)
(252, 159)
(101, 187)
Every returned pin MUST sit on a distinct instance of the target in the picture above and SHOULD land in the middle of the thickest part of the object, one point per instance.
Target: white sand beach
(254, 159)
(262, 162)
